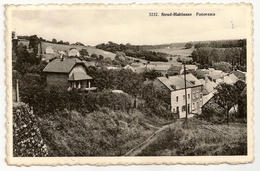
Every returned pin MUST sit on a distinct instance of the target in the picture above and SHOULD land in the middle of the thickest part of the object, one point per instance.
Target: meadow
(199, 138)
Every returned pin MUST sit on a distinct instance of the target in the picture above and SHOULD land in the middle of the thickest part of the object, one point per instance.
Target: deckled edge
(120, 160)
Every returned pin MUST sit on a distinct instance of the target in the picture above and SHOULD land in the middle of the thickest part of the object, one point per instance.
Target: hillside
(100, 133)
(180, 139)
(62, 47)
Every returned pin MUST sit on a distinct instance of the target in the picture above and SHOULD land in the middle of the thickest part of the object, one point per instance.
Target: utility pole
(185, 91)
(17, 91)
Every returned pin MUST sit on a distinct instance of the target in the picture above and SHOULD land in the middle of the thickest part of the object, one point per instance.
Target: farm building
(175, 70)
(68, 73)
(49, 50)
(73, 52)
(175, 86)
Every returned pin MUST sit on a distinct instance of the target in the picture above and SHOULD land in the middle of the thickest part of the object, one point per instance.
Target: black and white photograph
(130, 82)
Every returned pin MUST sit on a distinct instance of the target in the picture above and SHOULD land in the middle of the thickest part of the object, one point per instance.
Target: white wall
(181, 101)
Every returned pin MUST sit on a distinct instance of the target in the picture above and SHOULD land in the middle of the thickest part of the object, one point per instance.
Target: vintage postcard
(129, 84)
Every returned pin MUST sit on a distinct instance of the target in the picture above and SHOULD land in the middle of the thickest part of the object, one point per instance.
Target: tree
(60, 42)
(226, 97)
(83, 52)
(188, 45)
(93, 55)
(151, 74)
(223, 66)
(54, 40)
(33, 43)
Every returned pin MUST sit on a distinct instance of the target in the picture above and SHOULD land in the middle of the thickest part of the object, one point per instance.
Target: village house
(162, 69)
(73, 52)
(49, 50)
(191, 67)
(196, 93)
(175, 85)
(175, 70)
(68, 73)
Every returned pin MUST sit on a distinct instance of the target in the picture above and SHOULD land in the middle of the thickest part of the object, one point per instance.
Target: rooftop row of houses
(72, 52)
(200, 89)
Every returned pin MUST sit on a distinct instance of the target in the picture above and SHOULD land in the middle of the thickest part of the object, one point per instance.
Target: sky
(130, 25)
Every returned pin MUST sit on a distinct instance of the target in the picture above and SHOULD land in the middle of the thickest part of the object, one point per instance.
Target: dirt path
(135, 151)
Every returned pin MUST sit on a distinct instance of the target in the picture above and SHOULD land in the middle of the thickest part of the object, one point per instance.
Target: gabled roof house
(68, 73)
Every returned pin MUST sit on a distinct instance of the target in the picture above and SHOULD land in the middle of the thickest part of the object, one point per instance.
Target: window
(177, 99)
(193, 106)
(200, 103)
(193, 95)
(177, 109)
(188, 96)
(183, 97)
(201, 95)
(183, 108)
(197, 94)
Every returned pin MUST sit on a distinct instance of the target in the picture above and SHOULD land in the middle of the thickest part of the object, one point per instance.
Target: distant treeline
(133, 51)
(232, 52)
(197, 44)
(55, 41)
(221, 44)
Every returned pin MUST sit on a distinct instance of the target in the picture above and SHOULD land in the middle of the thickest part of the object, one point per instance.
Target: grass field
(198, 138)
(175, 52)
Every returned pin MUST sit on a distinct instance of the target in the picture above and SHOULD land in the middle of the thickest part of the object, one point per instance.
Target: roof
(62, 66)
(129, 67)
(191, 78)
(161, 67)
(175, 68)
(191, 67)
(139, 70)
(239, 74)
(174, 82)
(202, 81)
(205, 91)
(79, 76)
(49, 47)
(215, 77)
(73, 52)
(233, 78)
(228, 80)
(199, 73)
(210, 85)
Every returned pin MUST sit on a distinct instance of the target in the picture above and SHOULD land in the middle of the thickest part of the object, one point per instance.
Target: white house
(73, 52)
(176, 88)
(49, 50)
